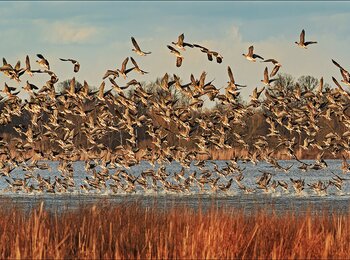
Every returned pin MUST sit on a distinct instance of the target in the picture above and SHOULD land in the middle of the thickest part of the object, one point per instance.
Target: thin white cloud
(63, 32)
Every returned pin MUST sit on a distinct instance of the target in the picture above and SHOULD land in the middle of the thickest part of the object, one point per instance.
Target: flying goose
(233, 86)
(75, 63)
(251, 55)
(266, 79)
(178, 55)
(123, 71)
(109, 73)
(43, 62)
(302, 43)
(181, 44)
(256, 94)
(337, 181)
(137, 68)
(275, 68)
(210, 53)
(138, 49)
(28, 69)
(7, 90)
(345, 74)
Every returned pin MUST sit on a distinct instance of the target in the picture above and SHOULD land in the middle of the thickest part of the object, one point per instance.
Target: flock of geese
(64, 119)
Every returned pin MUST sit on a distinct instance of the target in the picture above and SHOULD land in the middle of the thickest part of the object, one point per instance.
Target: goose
(178, 55)
(298, 185)
(210, 53)
(302, 43)
(113, 73)
(8, 91)
(181, 44)
(28, 69)
(225, 187)
(345, 74)
(75, 63)
(43, 62)
(232, 83)
(137, 68)
(266, 79)
(138, 49)
(123, 71)
(255, 96)
(337, 181)
(251, 56)
(275, 68)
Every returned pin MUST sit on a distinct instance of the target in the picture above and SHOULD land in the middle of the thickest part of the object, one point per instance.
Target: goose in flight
(302, 43)
(251, 55)
(137, 68)
(75, 63)
(181, 44)
(28, 69)
(109, 73)
(138, 49)
(123, 71)
(178, 55)
(275, 68)
(43, 62)
(345, 74)
(232, 82)
(266, 79)
(210, 53)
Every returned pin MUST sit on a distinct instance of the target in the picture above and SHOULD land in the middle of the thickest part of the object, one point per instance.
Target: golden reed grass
(132, 231)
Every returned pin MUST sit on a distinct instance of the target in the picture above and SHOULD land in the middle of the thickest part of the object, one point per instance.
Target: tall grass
(133, 231)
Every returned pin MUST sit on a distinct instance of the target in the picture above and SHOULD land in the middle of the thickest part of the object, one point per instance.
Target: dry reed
(133, 231)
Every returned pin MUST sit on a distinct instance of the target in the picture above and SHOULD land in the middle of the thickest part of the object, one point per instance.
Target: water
(280, 201)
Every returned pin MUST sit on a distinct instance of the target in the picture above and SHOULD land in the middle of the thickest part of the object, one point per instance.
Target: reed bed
(133, 231)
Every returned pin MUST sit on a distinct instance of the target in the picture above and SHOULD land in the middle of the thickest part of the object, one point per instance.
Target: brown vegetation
(132, 231)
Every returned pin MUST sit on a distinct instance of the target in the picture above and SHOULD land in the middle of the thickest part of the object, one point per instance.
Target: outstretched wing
(302, 36)
(266, 75)
(27, 63)
(137, 47)
(181, 39)
(230, 74)
(337, 64)
(124, 63)
(171, 48)
(271, 60)
(134, 62)
(320, 86)
(274, 71)
(250, 51)
(337, 83)
(40, 56)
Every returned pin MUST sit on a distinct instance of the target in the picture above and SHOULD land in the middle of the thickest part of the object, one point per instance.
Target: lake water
(332, 200)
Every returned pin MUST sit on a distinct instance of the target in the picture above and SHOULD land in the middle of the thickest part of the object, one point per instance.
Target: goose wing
(137, 47)
(251, 51)
(134, 62)
(124, 63)
(274, 71)
(27, 63)
(230, 74)
(302, 36)
(40, 56)
(266, 75)
(180, 39)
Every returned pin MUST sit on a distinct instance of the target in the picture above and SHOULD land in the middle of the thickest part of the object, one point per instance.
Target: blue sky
(98, 35)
